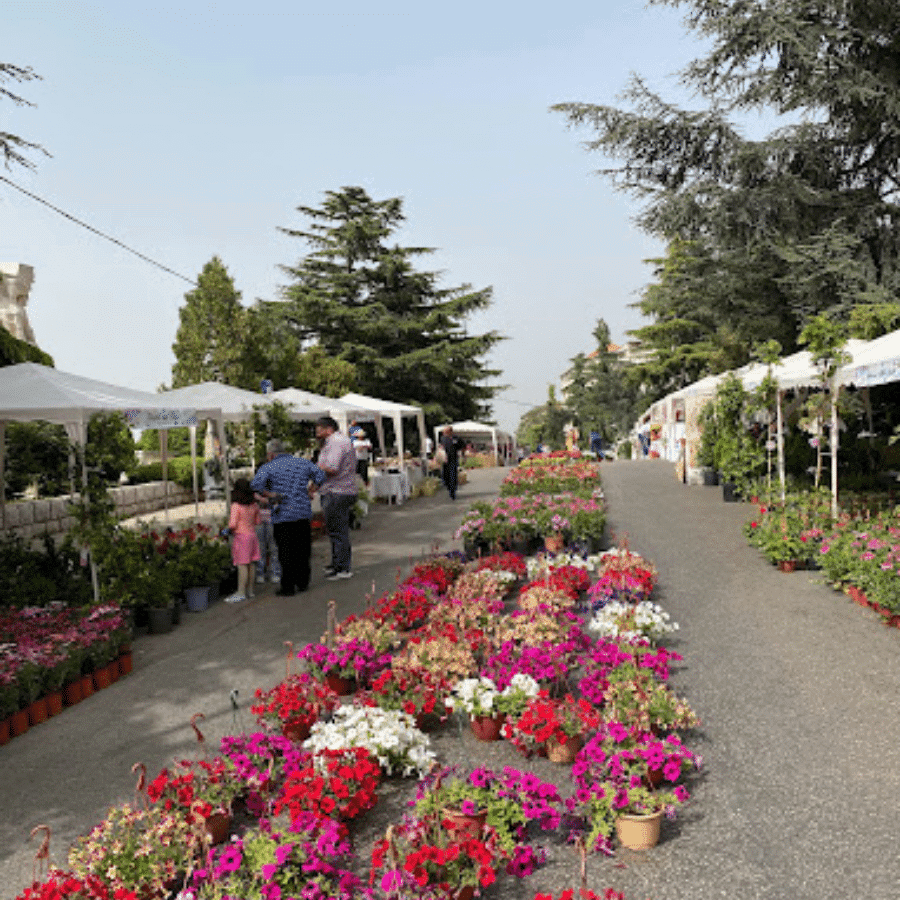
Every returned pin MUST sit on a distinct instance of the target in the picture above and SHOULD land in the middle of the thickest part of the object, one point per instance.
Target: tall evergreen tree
(601, 394)
(212, 340)
(782, 228)
(363, 301)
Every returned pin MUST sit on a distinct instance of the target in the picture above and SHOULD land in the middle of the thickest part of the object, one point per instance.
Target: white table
(392, 486)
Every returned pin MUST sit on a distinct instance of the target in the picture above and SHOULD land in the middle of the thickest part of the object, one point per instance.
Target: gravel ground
(796, 686)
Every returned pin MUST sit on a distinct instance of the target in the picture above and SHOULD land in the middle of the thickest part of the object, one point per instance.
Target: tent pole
(163, 449)
(779, 424)
(193, 432)
(835, 442)
(223, 444)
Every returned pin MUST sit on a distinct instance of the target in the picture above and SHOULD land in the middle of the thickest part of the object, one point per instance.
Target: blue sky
(191, 130)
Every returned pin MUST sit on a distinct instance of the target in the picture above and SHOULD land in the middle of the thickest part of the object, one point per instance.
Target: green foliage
(179, 440)
(601, 395)
(212, 340)
(179, 471)
(110, 445)
(12, 147)
(39, 577)
(544, 424)
(13, 350)
(765, 234)
(37, 453)
(363, 302)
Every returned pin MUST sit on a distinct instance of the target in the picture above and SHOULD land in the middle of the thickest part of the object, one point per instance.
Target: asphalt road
(798, 690)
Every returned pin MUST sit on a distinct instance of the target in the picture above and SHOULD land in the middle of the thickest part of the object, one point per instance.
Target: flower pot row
(53, 703)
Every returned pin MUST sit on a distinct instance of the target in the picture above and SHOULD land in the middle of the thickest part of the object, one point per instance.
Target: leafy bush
(179, 471)
(34, 577)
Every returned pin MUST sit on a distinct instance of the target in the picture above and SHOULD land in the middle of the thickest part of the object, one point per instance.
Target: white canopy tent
(236, 405)
(396, 412)
(480, 431)
(32, 392)
(307, 405)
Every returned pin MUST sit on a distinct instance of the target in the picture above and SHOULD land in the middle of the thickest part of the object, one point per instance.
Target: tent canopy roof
(236, 403)
(30, 392)
(383, 407)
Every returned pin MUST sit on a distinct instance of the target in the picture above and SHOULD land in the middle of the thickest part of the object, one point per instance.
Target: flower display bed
(500, 637)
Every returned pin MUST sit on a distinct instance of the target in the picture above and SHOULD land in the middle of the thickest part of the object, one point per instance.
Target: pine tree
(211, 343)
(362, 301)
(12, 147)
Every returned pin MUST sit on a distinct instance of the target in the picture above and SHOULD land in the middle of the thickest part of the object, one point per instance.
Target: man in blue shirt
(285, 480)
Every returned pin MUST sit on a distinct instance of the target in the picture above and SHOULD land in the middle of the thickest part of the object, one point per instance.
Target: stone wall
(31, 518)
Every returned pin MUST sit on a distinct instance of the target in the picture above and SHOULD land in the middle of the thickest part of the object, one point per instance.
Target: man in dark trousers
(450, 471)
(285, 480)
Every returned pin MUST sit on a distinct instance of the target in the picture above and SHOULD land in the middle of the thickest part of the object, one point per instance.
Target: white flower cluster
(625, 620)
(475, 696)
(389, 735)
(478, 696)
(539, 566)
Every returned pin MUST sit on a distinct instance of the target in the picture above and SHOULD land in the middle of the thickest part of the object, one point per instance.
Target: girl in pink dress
(244, 545)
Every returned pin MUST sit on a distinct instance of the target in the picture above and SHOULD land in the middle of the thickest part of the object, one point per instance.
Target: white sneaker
(339, 576)
(260, 579)
(235, 598)
(275, 579)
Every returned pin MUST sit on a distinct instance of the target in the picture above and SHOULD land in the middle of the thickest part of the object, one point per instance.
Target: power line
(112, 240)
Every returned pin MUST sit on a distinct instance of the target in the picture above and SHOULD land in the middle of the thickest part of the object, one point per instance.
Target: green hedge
(179, 471)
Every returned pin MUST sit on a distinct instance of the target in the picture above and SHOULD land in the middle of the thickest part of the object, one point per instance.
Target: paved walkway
(798, 688)
(67, 771)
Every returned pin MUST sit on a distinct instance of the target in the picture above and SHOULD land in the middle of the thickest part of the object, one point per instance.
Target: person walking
(362, 447)
(286, 481)
(242, 524)
(337, 460)
(450, 469)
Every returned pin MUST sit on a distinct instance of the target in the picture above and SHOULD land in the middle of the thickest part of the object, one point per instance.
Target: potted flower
(617, 619)
(293, 705)
(143, 850)
(559, 725)
(502, 803)
(389, 735)
(613, 792)
(420, 693)
(60, 885)
(336, 783)
(202, 790)
(478, 697)
(308, 858)
(636, 697)
(346, 664)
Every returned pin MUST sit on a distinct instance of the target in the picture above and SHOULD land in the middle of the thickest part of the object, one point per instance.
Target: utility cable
(112, 240)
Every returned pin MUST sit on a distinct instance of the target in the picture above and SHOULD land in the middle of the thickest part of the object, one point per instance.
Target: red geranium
(412, 690)
(337, 784)
(59, 885)
(198, 787)
(298, 700)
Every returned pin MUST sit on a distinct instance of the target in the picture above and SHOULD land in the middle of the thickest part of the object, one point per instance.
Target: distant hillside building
(15, 284)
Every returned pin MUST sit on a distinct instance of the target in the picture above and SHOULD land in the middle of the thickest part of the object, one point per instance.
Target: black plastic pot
(729, 492)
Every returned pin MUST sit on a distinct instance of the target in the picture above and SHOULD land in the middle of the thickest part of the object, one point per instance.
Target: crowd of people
(270, 520)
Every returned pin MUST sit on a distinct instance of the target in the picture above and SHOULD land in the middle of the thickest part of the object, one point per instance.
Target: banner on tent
(160, 418)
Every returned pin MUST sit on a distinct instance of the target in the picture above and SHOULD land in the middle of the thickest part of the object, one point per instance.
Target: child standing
(244, 546)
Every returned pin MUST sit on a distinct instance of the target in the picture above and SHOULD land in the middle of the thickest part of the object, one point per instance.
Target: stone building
(15, 283)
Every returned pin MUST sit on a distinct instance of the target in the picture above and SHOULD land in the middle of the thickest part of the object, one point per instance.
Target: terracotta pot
(343, 687)
(125, 663)
(72, 693)
(564, 753)
(87, 686)
(296, 731)
(102, 678)
(462, 825)
(114, 672)
(4, 731)
(38, 712)
(553, 543)
(466, 892)
(653, 778)
(787, 565)
(18, 723)
(217, 825)
(639, 832)
(54, 703)
(487, 728)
